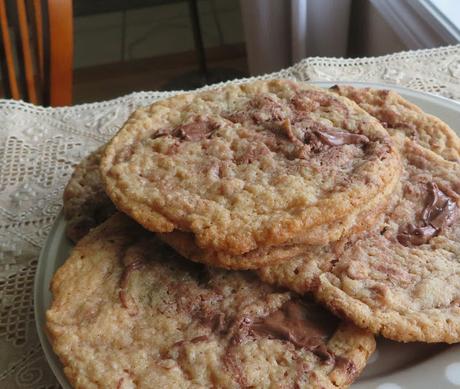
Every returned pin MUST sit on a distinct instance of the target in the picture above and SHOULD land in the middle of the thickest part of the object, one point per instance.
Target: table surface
(39, 147)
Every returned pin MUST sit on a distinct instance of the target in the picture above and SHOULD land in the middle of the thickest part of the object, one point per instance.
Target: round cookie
(85, 203)
(248, 166)
(127, 310)
(404, 119)
(400, 279)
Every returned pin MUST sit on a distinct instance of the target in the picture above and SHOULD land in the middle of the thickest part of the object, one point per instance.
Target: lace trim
(39, 147)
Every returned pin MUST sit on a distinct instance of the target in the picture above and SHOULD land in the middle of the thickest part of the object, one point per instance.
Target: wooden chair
(36, 50)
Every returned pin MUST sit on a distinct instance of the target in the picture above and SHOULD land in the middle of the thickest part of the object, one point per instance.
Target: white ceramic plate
(393, 366)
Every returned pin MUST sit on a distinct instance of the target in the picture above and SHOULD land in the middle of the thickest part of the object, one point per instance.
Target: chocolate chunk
(304, 324)
(317, 134)
(440, 210)
(199, 128)
(438, 214)
(324, 354)
(300, 323)
(198, 339)
(335, 137)
(347, 365)
(123, 294)
(416, 235)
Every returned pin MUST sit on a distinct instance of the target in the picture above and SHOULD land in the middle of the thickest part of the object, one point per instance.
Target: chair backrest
(36, 50)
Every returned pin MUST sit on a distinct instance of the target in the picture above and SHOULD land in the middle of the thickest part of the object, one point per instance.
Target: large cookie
(127, 311)
(402, 278)
(248, 166)
(402, 118)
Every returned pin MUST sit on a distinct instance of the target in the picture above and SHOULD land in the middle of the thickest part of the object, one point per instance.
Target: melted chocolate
(334, 137)
(197, 130)
(123, 294)
(416, 235)
(440, 210)
(317, 134)
(347, 365)
(324, 354)
(438, 214)
(202, 338)
(304, 325)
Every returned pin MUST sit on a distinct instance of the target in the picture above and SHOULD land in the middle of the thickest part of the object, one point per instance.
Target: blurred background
(119, 46)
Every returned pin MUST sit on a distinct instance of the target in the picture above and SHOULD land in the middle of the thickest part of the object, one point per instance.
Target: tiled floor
(147, 48)
(153, 31)
(109, 81)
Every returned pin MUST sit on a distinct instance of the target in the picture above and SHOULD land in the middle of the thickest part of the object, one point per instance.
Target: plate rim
(40, 315)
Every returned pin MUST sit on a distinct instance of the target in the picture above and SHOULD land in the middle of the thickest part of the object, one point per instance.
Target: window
(422, 23)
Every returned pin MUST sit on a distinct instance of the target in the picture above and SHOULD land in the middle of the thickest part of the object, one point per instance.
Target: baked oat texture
(127, 310)
(85, 203)
(184, 242)
(402, 278)
(404, 119)
(248, 166)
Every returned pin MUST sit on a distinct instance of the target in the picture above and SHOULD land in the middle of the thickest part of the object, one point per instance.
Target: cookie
(85, 203)
(128, 311)
(404, 119)
(400, 279)
(248, 166)
(184, 242)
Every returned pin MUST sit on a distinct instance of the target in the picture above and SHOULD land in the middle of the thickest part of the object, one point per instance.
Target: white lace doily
(39, 146)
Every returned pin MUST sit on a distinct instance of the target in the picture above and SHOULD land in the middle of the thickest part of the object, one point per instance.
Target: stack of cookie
(235, 220)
